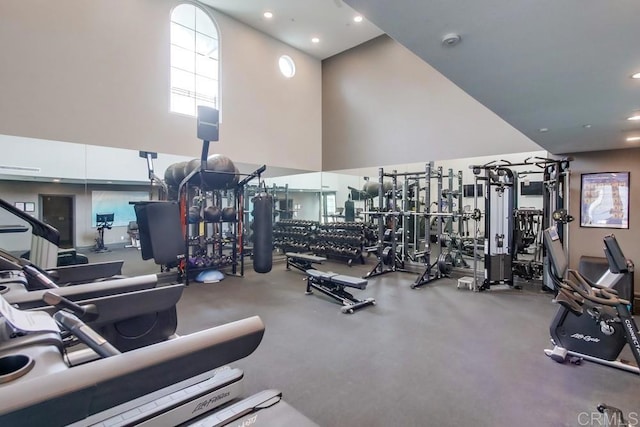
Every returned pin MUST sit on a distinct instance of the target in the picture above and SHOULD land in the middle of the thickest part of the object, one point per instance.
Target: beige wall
(97, 72)
(383, 105)
(588, 241)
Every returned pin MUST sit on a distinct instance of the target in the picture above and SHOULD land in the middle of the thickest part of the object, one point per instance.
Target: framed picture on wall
(604, 200)
(19, 205)
(29, 207)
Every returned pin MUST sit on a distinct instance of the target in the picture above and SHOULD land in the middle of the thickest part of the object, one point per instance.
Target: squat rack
(388, 258)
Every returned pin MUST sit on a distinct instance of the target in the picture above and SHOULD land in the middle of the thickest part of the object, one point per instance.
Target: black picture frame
(604, 200)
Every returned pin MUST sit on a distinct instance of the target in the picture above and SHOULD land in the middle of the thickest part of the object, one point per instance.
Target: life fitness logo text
(206, 403)
(587, 338)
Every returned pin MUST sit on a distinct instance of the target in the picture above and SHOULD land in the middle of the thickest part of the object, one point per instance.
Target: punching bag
(349, 211)
(262, 233)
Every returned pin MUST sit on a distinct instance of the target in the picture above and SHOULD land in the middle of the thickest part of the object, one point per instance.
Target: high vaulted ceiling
(296, 22)
(558, 71)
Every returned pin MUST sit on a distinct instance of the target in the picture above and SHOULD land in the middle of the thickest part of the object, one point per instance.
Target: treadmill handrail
(97, 386)
(104, 288)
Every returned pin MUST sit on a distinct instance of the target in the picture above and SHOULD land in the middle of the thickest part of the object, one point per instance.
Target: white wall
(384, 105)
(97, 72)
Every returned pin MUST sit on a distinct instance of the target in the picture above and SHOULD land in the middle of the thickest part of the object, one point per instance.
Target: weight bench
(303, 262)
(332, 285)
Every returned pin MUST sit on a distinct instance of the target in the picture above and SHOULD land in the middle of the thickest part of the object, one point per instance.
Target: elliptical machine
(593, 322)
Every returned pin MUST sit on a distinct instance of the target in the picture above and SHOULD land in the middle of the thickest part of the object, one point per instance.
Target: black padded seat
(302, 262)
(306, 257)
(352, 282)
(333, 284)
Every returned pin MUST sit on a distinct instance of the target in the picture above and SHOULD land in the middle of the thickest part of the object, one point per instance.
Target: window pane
(207, 67)
(183, 37)
(184, 14)
(205, 25)
(206, 45)
(183, 104)
(183, 58)
(206, 103)
(183, 81)
(206, 88)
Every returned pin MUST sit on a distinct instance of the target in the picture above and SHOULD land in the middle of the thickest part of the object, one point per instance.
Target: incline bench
(332, 285)
(303, 262)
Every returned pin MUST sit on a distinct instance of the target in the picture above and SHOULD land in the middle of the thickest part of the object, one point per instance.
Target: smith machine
(502, 216)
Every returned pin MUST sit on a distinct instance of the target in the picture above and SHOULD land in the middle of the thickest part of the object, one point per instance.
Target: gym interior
(269, 229)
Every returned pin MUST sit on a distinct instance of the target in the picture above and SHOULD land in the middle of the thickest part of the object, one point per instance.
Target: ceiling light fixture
(587, 126)
(56, 179)
(633, 138)
(315, 40)
(635, 76)
(543, 130)
(357, 18)
(268, 15)
(636, 116)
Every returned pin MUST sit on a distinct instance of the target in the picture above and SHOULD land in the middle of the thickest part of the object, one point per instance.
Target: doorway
(58, 212)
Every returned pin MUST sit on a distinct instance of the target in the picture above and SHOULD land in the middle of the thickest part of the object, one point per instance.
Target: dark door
(57, 211)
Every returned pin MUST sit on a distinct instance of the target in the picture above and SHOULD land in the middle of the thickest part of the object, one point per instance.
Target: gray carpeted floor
(435, 356)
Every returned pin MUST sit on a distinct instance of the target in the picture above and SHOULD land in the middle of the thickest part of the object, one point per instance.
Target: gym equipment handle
(39, 276)
(85, 334)
(87, 313)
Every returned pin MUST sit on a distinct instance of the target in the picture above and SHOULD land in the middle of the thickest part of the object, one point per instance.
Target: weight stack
(262, 233)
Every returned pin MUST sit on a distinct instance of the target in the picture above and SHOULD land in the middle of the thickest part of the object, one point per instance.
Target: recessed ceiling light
(636, 116)
(633, 138)
(357, 18)
(268, 15)
(635, 76)
(543, 130)
(315, 40)
(587, 126)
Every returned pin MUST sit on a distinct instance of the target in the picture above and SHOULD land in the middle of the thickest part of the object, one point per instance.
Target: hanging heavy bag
(262, 233)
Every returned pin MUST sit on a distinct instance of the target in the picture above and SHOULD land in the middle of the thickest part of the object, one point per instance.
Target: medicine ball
(191, 165)
(220, 163)
(371, 188)
(236, 177)
(178, 172)
(172, 192)
(168, 176)
(194, 215)
(229, 214)
(212, 214)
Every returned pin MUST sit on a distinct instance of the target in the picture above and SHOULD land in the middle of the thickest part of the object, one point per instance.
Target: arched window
(194, 60)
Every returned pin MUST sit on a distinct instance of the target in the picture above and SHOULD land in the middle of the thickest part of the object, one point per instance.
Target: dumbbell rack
(293, 235)
(343, 241)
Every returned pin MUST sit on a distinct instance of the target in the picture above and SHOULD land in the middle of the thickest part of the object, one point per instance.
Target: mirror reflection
(438, 219)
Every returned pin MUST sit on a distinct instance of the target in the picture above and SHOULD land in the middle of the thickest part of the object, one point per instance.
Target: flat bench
(333, 284)
(303, 262)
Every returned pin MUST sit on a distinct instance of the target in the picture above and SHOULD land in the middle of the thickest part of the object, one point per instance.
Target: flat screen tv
(467, 190)
(531, 188)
